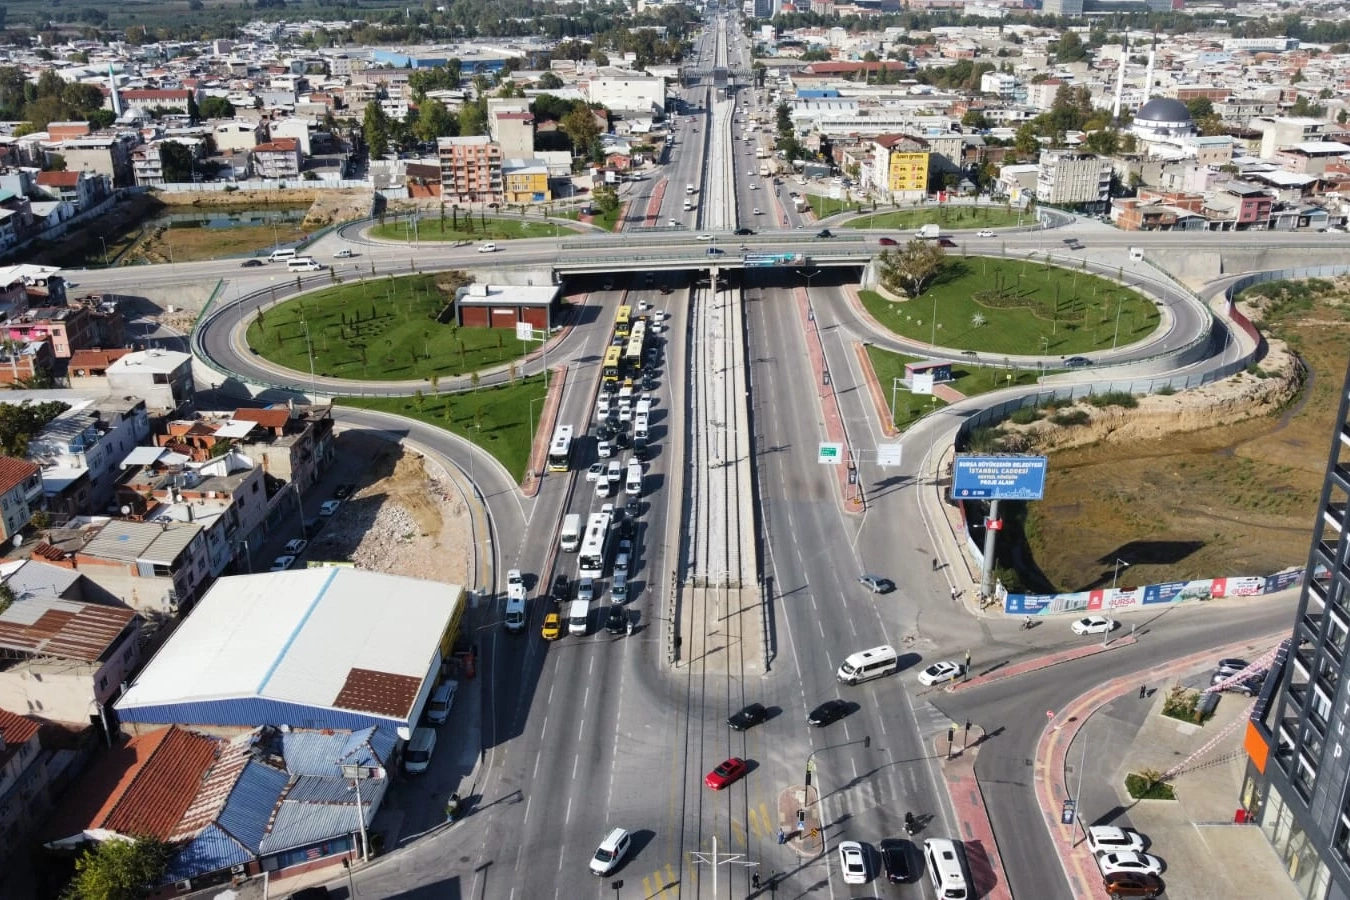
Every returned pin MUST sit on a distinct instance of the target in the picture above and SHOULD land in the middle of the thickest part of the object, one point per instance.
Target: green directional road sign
(830, 454)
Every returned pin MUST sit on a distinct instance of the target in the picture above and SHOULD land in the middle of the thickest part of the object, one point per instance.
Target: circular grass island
(1018, 307)
(380, 329)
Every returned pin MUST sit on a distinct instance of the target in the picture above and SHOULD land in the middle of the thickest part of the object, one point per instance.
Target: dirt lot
(406, 517)
(1225, 496)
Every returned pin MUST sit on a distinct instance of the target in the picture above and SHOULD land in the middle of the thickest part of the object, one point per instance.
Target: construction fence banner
(1106, 599)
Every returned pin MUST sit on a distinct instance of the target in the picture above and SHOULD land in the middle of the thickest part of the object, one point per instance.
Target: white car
(939, 672)
(1129, 861)
(604, 449)
(644, 305)
(296, 546)
(674, 224)
(1093, 625)
(757, 212)
(852, 862)
(344, 253)
(515, 585)
(704, 237)
(647, 398)
(487, 248)
(282, 563)
(614, 474)
(1109, 839)
(754, 187)
(329, 507)
(657, 328)
(595, 472)
(984, 232)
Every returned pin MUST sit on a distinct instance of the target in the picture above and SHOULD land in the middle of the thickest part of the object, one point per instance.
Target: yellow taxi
(552, 627)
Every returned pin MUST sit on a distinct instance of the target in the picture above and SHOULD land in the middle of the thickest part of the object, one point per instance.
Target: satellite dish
(18, 540)
(126, 510)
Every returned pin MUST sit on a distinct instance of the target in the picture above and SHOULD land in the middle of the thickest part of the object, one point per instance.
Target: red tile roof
(280, 145)
(16, 730)
(96, 360)
(14, 472)
(143, 787)
(268, 418)
(59, 179)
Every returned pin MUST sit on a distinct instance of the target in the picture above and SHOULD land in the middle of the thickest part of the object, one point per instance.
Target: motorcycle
(909, 823)
(452, 809)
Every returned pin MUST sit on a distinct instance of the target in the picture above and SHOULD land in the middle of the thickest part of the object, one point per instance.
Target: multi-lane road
(597, 731)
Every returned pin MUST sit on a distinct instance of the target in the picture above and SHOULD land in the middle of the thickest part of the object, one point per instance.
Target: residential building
(1312, 157)
(279, 158)
(525, 181)
(26, 363)
(471, 169)
(237, 135)
(260, 803)
(101, 155)
(62, 656)
(1296, 782)
(162, 378)
(25, 798)
(1287, 131)
(1042, 96)
(898, 169)
(1069, 178)
(20, 494)
(79, 452)
(298, 127)
(147, 166)
(157, 569)
(1238, 207)
(67, 327)
(85, 189)
(1001, 84)
(511, 125)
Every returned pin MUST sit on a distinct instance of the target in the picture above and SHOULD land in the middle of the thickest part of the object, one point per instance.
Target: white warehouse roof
(335, 638)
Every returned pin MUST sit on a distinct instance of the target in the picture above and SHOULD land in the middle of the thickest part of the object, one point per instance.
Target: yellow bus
(613, 359)
(623, 322)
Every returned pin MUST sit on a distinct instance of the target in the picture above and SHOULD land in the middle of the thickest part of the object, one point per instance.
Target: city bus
(623, 321)
(633, 353)
(560, 449)
(594, 547)
(613, 360)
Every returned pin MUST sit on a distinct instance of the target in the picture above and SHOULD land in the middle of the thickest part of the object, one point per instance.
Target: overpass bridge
(723, 251)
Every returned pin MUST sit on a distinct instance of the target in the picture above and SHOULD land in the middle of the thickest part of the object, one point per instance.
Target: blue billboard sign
(999, 478)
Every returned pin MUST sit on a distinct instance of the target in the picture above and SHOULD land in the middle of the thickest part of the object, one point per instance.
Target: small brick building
(502, 306)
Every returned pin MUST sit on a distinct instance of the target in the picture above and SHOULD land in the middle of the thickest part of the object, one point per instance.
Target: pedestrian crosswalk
(661, 884)
(762, 823)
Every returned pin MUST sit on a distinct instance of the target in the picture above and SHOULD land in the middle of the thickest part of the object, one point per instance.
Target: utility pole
(717, 859)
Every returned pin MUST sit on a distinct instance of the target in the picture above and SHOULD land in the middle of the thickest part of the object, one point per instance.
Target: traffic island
(799, 827)
(957, 748)
(999, 671)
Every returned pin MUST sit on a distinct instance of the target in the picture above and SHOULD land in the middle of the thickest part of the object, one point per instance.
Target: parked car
(748, 717)
(1132, 884)
(329, 507)
(1129, 861)
(282, 563)
(344, 491)
(1109, 839)
(727, 773)
(296, 546)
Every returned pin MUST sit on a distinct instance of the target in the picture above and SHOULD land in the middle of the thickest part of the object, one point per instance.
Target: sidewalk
(1204, 853)
(977, 833)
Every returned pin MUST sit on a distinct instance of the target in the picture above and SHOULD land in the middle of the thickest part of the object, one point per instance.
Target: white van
(281, 256)
(515, 615)
(643, 408)
(868, 664)
(611, 852)
(442, 699)
(571, 533)
(303, 264)
(417, 755)
(640, 425)
(1136, 253)
(577, 614)
(633, 485)
(944, 867)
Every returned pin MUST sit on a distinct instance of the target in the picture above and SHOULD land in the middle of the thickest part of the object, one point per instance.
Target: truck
(929, 231)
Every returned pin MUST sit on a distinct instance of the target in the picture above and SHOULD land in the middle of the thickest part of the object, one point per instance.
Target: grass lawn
(381, 329)
(608, 221)
(969, 380)
(496, 418)
(828, 206)
(466, 228)
(949, 216)
(1018, 307)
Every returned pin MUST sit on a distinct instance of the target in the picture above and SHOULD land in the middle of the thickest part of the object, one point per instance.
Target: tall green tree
(120, 869)
(912, 266)
(216, 108)
(434, 120)
(375, 128)
(581, 128)
(472, 119)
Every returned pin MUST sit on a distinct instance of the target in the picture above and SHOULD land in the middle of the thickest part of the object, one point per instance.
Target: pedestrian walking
(935, 564)
(1143, 691)
(754, 881)
(955, 592)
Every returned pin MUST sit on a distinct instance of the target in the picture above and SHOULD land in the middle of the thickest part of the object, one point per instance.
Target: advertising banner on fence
(1167, 592)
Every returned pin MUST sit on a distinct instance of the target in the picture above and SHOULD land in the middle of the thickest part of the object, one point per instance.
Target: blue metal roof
(255, 796)
(313, 753)
(250, 712)
(300, 823)
(211, 850)
(820, 94)
(308, 789)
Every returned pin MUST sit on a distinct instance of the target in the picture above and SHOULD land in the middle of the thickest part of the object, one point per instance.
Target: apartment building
(471, 169)
(162, 378)
(898, 168)
(280, 158)
(80, 450)
(525, 181)
(102, 155)
(1064, 177)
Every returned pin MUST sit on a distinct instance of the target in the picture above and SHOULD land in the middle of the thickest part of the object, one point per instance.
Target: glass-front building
(1297, 787)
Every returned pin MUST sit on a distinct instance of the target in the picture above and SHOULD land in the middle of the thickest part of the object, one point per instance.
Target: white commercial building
(1072, 178)
(634, 93)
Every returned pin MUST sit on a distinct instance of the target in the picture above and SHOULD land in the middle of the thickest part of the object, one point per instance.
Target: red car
(886, 242)
(727, 773)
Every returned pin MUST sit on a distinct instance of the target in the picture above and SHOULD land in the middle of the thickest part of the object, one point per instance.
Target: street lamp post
(530, 463)
(1116, 571)
(309, 348)
(248, 557)
(105, 250)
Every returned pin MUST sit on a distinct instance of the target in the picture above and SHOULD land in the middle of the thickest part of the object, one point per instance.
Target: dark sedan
(251, 263)
(616, 620)
(827, 712)
(749, 717)
(743, 232)
(895, 860)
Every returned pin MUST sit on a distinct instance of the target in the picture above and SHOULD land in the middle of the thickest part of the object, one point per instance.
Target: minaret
(1148, 77)
(1120, 80)
(112, 89)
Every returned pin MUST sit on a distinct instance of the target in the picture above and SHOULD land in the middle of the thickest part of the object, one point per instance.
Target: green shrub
(1113, 398)
(1165, 391)
(1025, 416)
(1182, 704)
(1148, 785)
(1071, 417)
